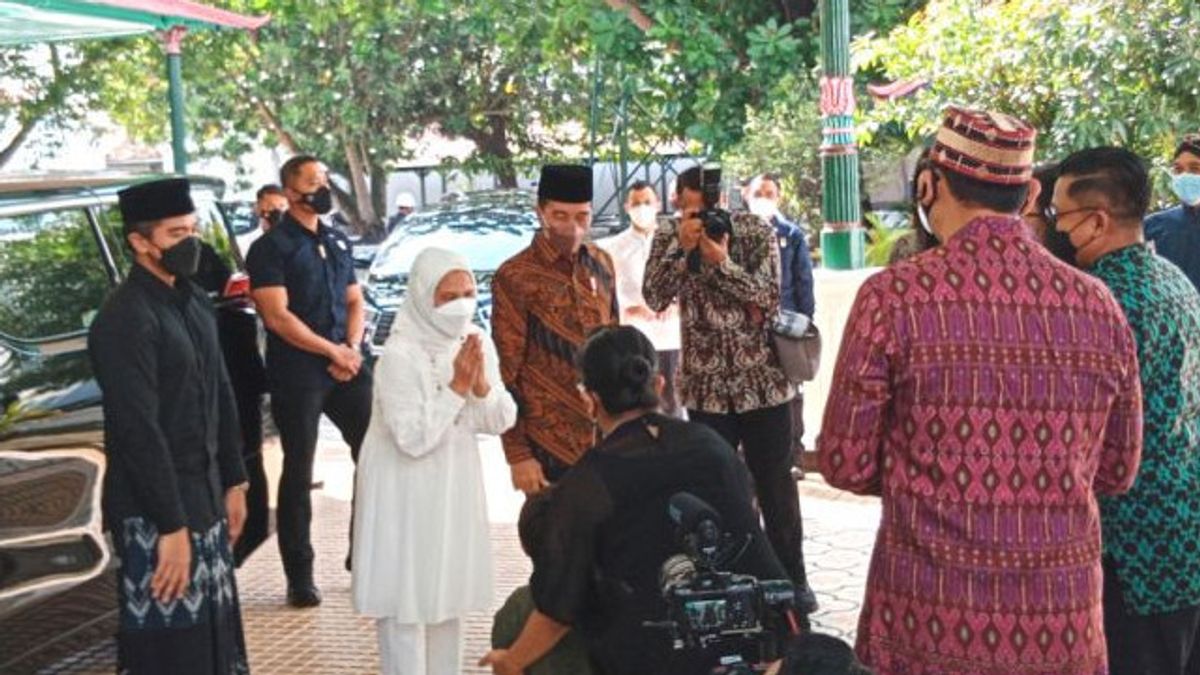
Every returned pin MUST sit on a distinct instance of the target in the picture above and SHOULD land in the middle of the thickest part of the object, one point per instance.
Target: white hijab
(417, 318)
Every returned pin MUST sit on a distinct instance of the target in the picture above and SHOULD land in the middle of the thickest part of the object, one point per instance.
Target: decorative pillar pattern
(842, 238)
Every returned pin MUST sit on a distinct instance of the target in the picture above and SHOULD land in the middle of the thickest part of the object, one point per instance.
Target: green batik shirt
(1152, 533)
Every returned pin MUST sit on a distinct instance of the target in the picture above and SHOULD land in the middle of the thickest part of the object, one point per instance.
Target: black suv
(487, 227)
(61, 252)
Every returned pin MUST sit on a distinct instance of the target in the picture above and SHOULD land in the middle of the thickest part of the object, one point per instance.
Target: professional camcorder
(717, 222)
(739, 619)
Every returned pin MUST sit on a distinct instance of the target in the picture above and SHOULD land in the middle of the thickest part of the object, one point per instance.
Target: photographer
(727, 284)
(608, 532)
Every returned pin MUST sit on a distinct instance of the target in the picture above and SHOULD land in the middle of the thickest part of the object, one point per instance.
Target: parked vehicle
(61, 252)
(487, 227)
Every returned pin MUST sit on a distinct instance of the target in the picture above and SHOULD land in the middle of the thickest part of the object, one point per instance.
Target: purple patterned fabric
(986, 392)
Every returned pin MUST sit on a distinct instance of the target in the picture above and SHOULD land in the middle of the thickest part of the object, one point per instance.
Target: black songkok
(570, 183)
(155, 200)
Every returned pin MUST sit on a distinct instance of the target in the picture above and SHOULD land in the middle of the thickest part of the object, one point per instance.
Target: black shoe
(806, 600)
(303, 596)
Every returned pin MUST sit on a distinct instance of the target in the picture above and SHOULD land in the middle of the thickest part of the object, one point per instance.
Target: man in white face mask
(1174, 233)
(762, 195)
(630, 250)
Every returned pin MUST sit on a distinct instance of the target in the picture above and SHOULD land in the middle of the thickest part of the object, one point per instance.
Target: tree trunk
(359, 183)
(797, 9)
(379, 183)
(17, 141)
(492, 145)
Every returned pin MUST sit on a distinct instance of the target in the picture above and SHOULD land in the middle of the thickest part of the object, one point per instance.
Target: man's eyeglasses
(1053, 215)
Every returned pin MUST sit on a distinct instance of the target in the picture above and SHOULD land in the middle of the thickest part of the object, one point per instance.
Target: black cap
(155, 200)
(570, 183)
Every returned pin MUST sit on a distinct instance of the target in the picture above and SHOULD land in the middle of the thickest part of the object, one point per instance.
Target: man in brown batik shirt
(545, 301)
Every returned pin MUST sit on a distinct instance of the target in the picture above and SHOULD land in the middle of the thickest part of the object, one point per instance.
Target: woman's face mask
(453, 317)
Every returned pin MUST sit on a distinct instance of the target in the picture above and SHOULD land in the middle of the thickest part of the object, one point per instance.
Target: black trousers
(258, 507)
(297, 413)
(765, 436)
(1155, 644)
(248, 377)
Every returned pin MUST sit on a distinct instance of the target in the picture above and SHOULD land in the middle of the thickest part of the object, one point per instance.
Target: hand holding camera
(710, 228)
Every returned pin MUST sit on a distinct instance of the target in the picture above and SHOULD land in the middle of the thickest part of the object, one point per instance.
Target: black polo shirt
(316, 269)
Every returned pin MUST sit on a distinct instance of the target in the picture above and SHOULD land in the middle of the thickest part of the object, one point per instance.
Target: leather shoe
(303, 596)
(806, 599)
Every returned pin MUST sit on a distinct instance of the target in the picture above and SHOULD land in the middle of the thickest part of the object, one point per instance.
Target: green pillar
(842, 238)
(173, 43)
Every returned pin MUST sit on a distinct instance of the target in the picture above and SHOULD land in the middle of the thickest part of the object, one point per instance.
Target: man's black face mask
(321, 201)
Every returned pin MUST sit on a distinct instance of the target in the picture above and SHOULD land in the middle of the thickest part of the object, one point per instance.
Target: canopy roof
(28, 21)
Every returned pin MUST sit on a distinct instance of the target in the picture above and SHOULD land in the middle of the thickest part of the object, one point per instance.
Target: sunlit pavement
(839, 529)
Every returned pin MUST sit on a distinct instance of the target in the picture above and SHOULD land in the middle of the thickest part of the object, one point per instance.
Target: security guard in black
(303, 283)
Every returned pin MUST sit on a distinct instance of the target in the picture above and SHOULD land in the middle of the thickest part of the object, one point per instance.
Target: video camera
(716, 220)
(738, 618)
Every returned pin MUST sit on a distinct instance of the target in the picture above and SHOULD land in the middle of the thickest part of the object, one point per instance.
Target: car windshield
(487, 227)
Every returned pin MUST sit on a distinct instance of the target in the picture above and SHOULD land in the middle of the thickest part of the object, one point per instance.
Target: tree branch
(285, 139)
(27, 127)
(635, 13)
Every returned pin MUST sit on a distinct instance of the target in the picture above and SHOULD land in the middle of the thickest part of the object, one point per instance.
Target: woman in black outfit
(608, 532)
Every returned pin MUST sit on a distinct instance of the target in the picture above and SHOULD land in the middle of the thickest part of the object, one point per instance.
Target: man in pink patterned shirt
(986, 392)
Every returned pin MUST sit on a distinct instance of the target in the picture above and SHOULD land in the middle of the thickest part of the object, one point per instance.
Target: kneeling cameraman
(607, 529)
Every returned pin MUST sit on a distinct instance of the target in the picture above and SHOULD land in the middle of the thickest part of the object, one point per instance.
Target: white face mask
(452, 317)
(762, 207)
(644, 216)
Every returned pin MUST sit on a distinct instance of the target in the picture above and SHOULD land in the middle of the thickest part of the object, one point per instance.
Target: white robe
(422, 551)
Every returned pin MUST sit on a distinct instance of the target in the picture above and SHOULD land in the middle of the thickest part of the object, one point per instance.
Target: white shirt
(630, 250)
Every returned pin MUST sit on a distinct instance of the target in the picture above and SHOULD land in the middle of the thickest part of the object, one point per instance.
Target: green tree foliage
(353, 82)
(693, 66)
(48, 86)
(782, 134)
(1085, 72)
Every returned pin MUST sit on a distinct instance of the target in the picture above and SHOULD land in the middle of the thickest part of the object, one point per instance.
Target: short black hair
(991, 196)
(618, 364)
(689, 180)
(923, 239)
(531, 524)
(144, 228)
(766, 176)
(639, 185)
(1046, 175)
(1116, 175)
(1190, 144)
(292, 167)
(268, 189)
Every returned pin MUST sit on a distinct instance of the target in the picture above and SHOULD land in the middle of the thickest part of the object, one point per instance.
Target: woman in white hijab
(422, 556)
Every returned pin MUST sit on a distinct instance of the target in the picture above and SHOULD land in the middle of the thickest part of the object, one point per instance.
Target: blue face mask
(1187, 187)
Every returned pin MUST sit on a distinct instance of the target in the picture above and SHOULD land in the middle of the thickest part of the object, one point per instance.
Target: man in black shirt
(302, 276)
(174, 489)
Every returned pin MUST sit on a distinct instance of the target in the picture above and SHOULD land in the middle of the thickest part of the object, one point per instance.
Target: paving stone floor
(840, 530)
